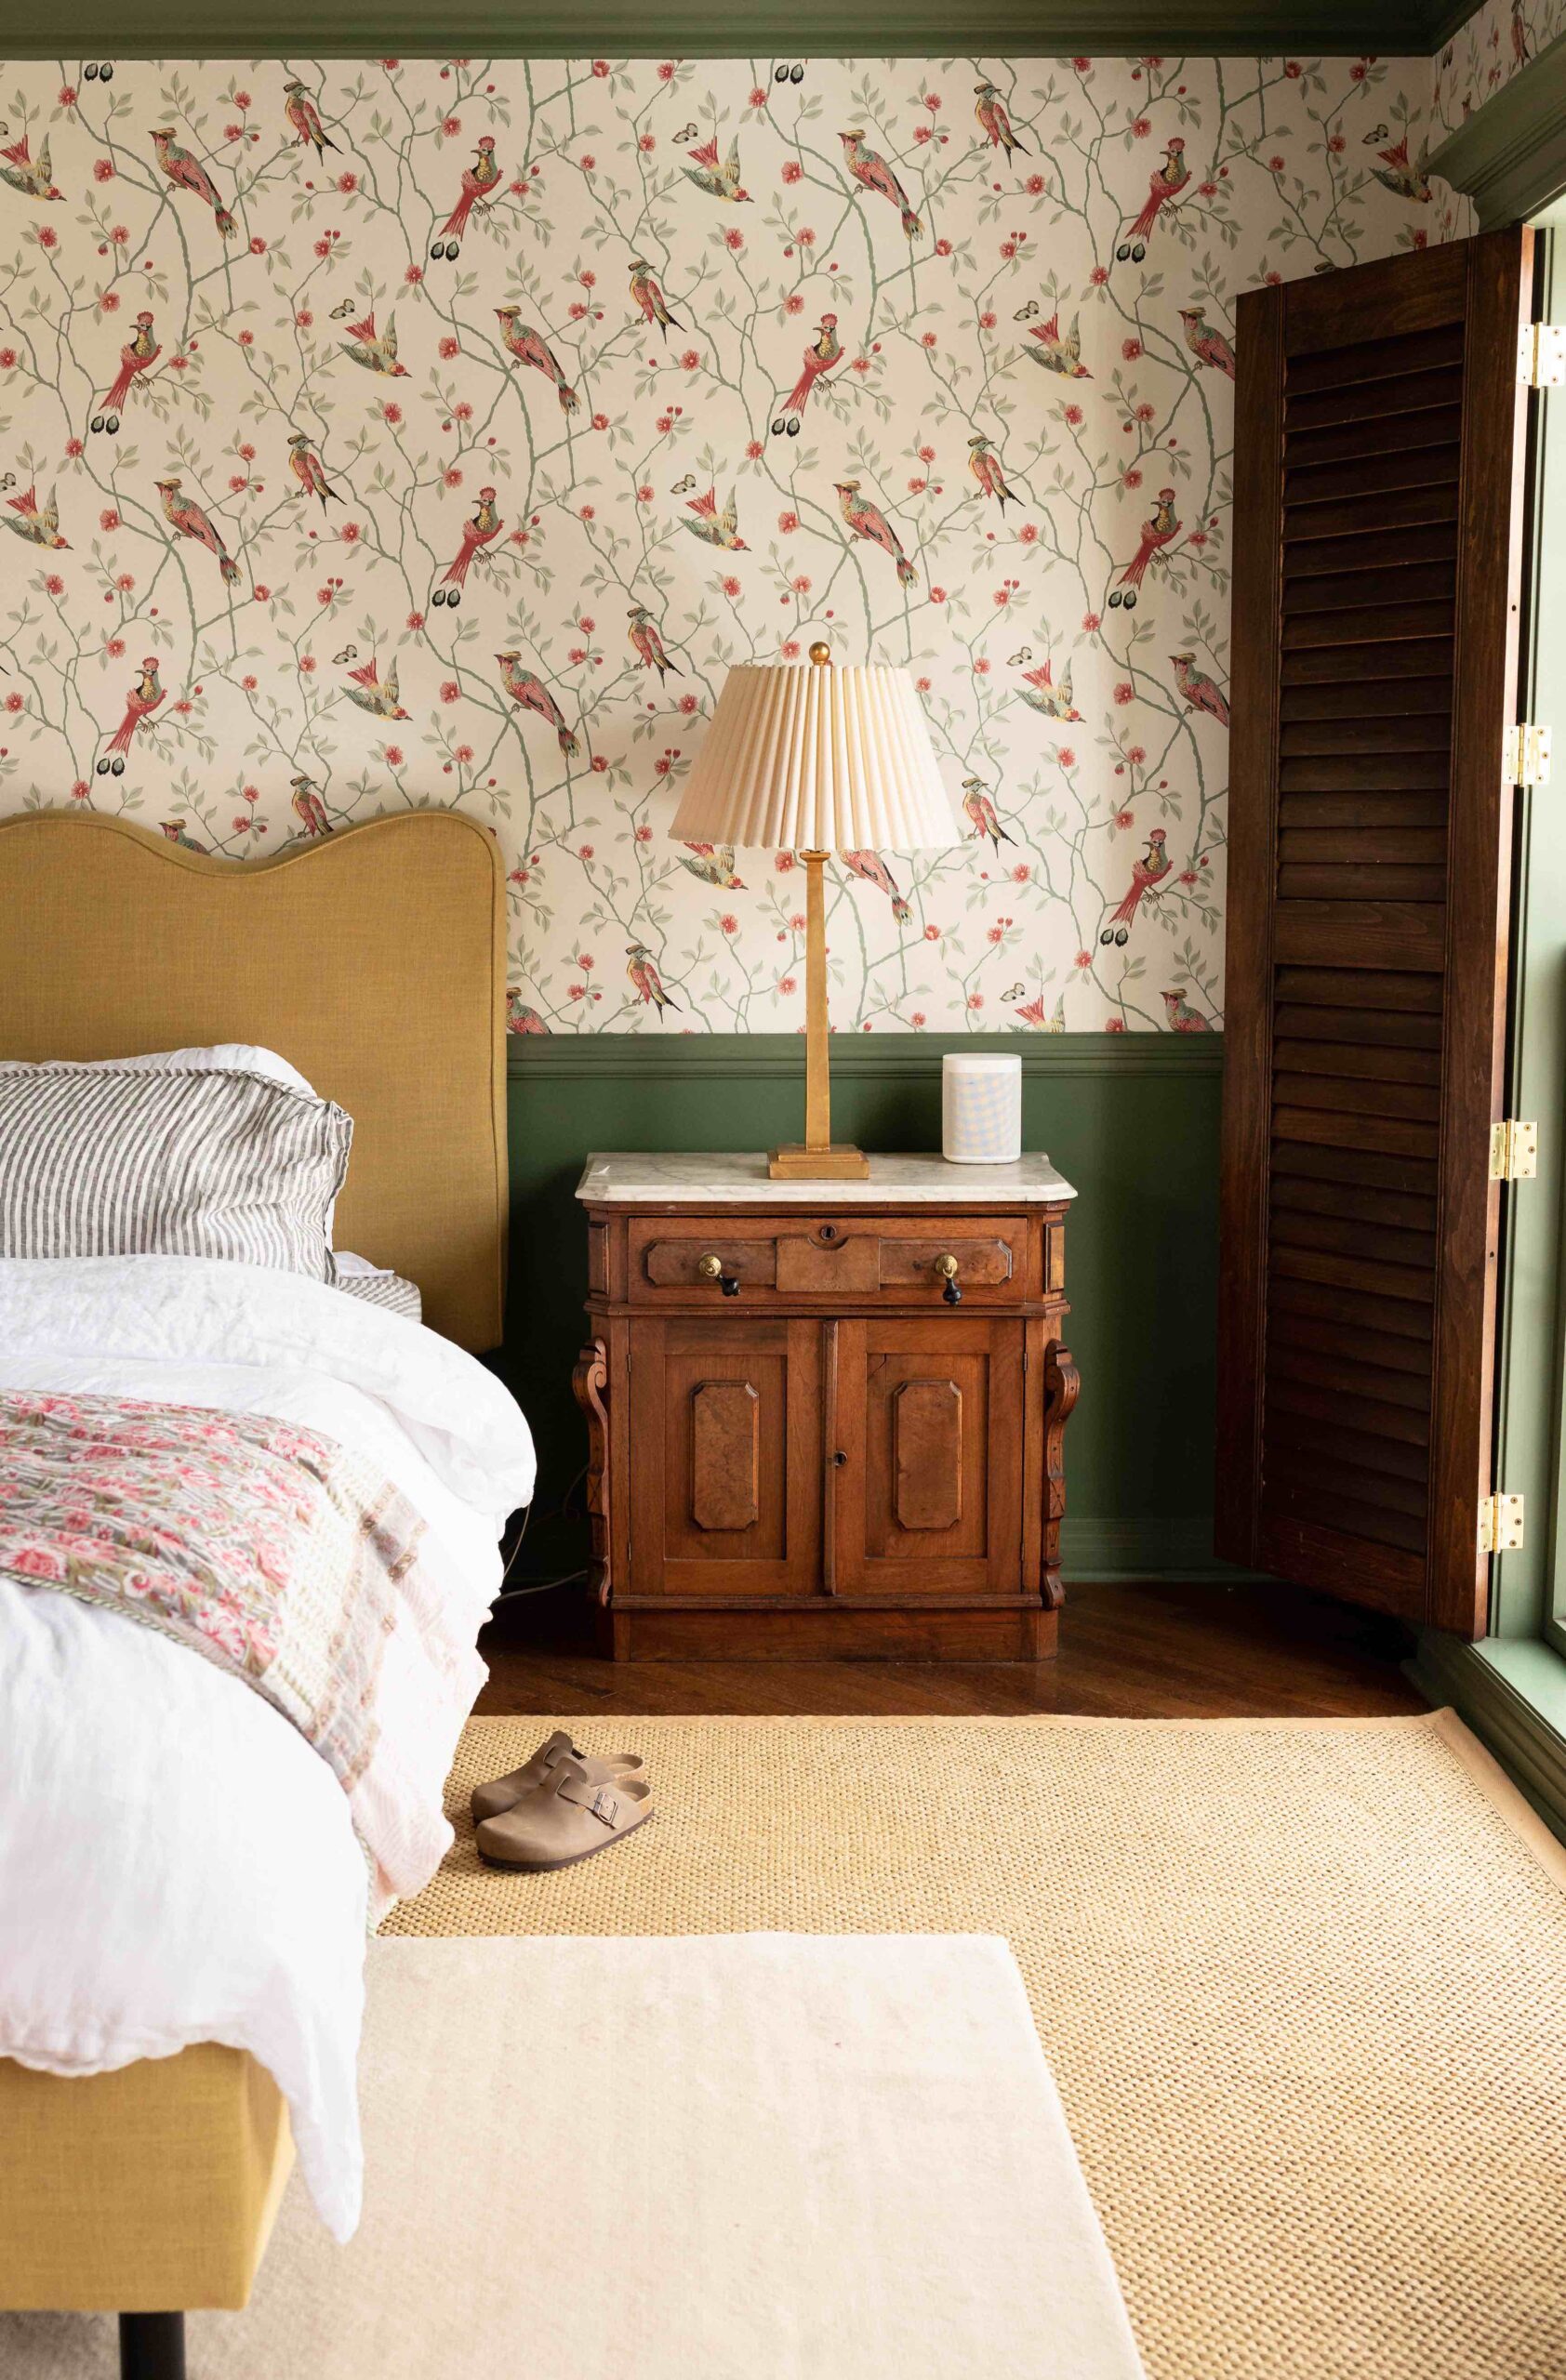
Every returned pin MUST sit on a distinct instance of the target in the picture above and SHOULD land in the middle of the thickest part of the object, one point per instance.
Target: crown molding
(1510, 156)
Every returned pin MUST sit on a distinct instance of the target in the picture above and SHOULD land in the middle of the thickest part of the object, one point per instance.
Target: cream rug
(760, 2157)
(1302, 1985)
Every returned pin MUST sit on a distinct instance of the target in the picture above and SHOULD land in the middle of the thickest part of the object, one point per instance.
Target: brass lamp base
(840, 1163)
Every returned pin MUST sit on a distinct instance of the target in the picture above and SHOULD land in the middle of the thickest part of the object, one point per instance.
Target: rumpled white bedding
(176, 1865)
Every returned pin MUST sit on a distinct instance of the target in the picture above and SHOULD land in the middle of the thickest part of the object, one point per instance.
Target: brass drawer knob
(947, 1267)
(712, 1269)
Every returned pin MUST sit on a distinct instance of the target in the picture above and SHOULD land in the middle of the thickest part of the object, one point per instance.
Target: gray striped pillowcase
(388, 1289)
(98, 1162)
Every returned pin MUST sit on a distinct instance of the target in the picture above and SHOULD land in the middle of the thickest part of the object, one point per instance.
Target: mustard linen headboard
(374, 961)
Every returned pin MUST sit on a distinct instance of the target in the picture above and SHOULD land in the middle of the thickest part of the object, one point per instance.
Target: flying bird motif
(646, 977)
(980, 811)
(1395, 172)
(380, 701)
(873, 173)
(187, 519)
(39, 525)
(31, 176)
(1207, 345)
(1034, 1014)
(866, 520)
(309, 470)
(824, 350)
(873, 869)
(1160, 529)
(309, 808)
(719, 181)
(139, 354)
(1199, 690)
(1164, 189)
(529, 346)
(1148, 873)
(299, 109)
(188, 172)
(1041, 693)
(479, 180)
(1057, 353)
(142, 700)
(650, 299)
(993, 120)
(647, 641)
(714, 864)
(715, 528)
(481, 531)
(531, 693)
(374, 355)
(985, 465)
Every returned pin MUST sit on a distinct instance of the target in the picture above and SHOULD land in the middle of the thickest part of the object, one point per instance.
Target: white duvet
(176, 1865)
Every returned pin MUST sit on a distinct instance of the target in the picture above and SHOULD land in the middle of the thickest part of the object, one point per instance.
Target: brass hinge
(1525, 755)
(1514, 1152)
(1541, 356)
(1500, 1524)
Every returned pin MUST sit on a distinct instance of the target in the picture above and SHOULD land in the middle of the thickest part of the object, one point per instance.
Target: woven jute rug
(1302, 1985)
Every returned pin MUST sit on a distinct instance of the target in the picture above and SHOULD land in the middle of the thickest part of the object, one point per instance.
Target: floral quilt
(284, 1557)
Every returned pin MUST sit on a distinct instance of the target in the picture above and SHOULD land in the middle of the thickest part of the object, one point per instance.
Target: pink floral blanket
(284, 1557)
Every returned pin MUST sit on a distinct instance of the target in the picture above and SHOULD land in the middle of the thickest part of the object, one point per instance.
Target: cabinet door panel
(725, 1457)
(930, 1424)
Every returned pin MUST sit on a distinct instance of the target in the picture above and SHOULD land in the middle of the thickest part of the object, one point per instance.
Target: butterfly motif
(1377, 135)
(349, 653)
(1016, 993)
(691, 132)
(1025, 313)
(682, 487)
(347, 307)
(10, 481)
(1024, 652)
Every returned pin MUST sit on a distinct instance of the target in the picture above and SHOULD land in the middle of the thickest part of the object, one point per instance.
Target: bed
(372, 961)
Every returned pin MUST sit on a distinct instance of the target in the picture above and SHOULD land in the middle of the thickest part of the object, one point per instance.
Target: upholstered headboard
(374, 961)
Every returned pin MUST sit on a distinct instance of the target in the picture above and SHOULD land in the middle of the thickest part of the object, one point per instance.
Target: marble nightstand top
(661, 1177)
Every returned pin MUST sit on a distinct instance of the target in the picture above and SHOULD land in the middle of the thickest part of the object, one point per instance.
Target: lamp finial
(821, 654)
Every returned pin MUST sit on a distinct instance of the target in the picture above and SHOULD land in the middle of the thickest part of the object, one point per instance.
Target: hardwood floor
(1136, 1652)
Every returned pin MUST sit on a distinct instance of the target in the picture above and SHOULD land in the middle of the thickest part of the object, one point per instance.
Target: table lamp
(816, 760)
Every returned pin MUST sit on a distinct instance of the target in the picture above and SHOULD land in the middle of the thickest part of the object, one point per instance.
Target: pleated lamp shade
(803, 758)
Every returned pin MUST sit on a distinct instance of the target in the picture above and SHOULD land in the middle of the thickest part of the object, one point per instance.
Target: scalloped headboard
(374, 961)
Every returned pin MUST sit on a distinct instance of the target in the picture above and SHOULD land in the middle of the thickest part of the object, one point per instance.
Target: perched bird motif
(873, 173)
(533, 694)
(1199, 690)
(715, 528)
(993, 120)
(186, 517)
(873, 869)
(376, 354)
(479, 180)
(1041, 693)
(985, 465)
(299, 109)
(646, 977)
(174, 832)
(980, 811)
(309, 470)
(520, 1018)
(1035, 1014)
(650, 298)
(309, 808)
(1207, 345)
(481, 531)
(1183, 1018)
(719, 181)
(1395, 172)
(39, 525)
(142, 700)
(1168, 181)
(380, 701)
(529, 346)
(30, 174)
(647, 641)
(714, 864)
(1521, 51)
(824, 350)
(1058, 353)
(139, 354)
(1160, 529)
(1149, 870)
(867, 521)
(188, 172)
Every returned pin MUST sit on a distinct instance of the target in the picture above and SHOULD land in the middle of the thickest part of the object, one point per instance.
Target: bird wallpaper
(1498, 42)
(396, 432)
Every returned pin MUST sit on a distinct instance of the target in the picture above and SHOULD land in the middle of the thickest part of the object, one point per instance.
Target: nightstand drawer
(842, 1256)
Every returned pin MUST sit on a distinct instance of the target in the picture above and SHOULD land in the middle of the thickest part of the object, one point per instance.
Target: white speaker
(981, 1109)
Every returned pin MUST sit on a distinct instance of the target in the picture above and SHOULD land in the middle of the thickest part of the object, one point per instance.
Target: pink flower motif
(731, 587)
(1125, 691)
(729, 922)
(103, 169)
(109, 520)
(1115, 1024)
(792, 170)
(733, 239)
(393, 756)
(450, 690)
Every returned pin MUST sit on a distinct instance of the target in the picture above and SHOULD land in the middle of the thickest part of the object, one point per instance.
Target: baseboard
(1497, 1689)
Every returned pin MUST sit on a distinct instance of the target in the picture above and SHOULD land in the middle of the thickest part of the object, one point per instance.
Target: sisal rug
(763, 2158)
(1302, 1985)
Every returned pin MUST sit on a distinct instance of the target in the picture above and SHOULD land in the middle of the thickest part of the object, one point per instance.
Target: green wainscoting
(1131, 1120)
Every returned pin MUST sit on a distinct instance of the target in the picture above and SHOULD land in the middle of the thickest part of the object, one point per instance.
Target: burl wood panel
(726, 1453)
(927, 1443)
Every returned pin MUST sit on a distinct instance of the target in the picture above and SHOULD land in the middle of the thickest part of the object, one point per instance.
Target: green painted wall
(1132, 1121)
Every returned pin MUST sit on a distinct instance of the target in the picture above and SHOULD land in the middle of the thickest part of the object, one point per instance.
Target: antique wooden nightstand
(825, 1419)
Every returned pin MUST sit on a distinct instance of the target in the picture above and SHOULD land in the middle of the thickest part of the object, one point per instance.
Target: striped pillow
(115, 1162)
(388, 1289)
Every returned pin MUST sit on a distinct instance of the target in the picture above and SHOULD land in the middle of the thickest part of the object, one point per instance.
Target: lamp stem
(818, 1070)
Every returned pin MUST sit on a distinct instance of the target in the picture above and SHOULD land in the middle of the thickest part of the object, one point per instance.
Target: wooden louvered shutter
(1377, 515)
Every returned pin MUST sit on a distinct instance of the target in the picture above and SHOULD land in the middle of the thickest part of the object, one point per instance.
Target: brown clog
(566, 1817)
(502, 1793)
